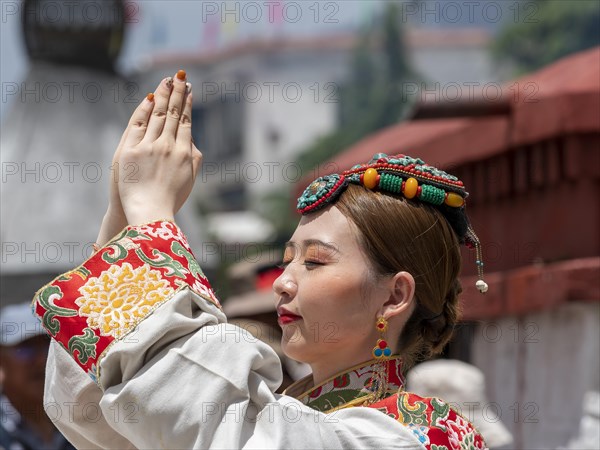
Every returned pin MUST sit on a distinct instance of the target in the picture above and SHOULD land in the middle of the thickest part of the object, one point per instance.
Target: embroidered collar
(353, 387)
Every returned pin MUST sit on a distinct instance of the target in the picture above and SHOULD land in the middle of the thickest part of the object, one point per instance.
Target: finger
(184, 132)
(139, 122)
(124, 135)
(159, 113)
(175, 106)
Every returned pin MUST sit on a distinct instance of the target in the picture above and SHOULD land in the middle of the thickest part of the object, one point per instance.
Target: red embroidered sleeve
(435, 424)
(105, 298)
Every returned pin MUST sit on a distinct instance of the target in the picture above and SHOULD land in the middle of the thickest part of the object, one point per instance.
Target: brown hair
(405, 235)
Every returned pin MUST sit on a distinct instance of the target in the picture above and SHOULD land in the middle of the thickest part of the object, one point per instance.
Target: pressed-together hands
(157, 145)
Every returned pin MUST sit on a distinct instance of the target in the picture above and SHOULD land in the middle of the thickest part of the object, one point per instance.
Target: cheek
(322, 300)
(348, 294)
(337, 309)
(357, 308)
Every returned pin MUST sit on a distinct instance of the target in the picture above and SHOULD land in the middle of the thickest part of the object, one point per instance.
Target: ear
(401, 299)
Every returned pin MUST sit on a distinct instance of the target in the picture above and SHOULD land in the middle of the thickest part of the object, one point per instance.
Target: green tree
(550, 30)
(371, 99)
(373, 96)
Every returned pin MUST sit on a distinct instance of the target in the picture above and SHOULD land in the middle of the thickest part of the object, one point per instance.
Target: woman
(370, 283)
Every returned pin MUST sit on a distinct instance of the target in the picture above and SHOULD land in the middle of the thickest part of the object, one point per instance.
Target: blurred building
(258, 104)
(57, 140)
(530, 157)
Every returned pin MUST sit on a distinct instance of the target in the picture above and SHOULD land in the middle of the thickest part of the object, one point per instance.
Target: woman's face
(327, 297)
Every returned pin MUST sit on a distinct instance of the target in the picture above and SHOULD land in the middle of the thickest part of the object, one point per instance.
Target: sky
(158, 26)
(186, 26)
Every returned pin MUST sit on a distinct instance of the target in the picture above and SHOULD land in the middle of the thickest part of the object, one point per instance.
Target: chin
(295, 350)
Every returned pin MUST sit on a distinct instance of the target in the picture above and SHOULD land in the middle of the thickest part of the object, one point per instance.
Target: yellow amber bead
(370, 178)
(410, 187)
(454, 200)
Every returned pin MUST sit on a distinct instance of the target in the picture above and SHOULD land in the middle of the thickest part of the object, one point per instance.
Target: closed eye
(312, 264)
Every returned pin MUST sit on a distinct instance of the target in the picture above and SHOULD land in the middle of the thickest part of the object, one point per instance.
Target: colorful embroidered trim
(398, 174)
(356, 386)
(434, 423)
(104, 299)
(321, 192)
(402, 175)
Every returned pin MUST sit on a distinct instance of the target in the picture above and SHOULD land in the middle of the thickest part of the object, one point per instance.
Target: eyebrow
(308, 242)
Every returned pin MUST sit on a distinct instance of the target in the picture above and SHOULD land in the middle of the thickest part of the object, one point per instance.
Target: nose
(285, 285)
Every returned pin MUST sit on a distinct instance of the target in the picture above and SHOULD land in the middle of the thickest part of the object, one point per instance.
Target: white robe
(165, 370)
(186, 379)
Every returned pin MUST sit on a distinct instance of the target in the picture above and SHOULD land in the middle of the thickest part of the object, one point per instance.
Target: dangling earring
(381, 351)
(472, 241)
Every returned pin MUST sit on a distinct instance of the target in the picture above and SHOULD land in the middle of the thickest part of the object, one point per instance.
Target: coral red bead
(382, 344)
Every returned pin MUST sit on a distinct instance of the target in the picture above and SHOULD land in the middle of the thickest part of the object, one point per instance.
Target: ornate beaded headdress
(410, 177)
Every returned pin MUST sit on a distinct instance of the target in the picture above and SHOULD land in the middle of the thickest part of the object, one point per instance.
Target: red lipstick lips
(286, 317)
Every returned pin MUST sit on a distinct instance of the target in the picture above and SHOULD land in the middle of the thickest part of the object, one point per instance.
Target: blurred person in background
(370, 286)
(587, 436)
(24, 424)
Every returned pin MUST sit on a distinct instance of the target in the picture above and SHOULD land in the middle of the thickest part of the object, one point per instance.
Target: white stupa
(57, 142)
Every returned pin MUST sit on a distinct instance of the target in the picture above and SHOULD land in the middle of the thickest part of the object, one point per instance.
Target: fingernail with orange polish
(181, 75)
(150, 97)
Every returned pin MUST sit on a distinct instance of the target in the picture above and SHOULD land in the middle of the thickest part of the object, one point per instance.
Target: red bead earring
(381, 349)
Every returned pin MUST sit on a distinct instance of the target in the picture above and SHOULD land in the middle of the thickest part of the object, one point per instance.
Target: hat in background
(587, 437)
(461, 385)
(17, 324)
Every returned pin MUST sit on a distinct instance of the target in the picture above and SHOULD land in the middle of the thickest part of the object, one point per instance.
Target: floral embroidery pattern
(120, 247)
(354, 385)
(164, 231)
(420, 431)
(116, 288)
(461, 433)
(83, 347)
(120, 297)
(46, 298)
(204, 291)
(432, 421)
